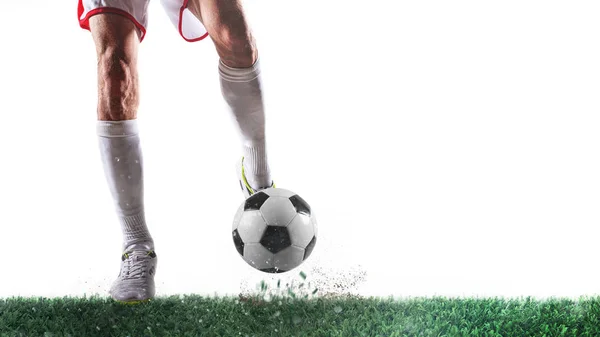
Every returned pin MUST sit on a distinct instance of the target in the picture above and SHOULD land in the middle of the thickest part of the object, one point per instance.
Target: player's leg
(117, 40)
(240, 81)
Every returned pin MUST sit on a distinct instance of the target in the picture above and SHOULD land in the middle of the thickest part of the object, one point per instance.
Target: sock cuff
(239, 74)
(117, 128)
(135, 229)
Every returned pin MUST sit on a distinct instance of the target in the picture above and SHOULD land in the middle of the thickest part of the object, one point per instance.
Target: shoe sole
(135, 302)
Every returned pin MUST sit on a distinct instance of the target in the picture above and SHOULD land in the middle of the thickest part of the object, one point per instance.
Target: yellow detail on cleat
(246, 181)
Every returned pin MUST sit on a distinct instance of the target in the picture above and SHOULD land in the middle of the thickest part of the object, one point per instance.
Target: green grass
(289, 316)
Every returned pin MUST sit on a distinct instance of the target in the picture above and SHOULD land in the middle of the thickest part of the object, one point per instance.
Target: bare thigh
(228, 28)
(117, 40)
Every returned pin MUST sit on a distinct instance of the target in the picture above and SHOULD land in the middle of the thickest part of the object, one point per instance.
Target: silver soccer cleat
(135, 282)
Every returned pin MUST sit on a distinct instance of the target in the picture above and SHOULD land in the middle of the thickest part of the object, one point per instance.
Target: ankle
(138, 244)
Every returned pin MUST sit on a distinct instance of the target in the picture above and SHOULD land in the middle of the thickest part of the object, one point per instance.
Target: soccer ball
(274, 230)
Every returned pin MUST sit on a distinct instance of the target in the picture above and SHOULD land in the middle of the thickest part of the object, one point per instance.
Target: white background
(448, 148)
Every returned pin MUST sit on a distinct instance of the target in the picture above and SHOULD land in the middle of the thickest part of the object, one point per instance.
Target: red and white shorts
(190, 28)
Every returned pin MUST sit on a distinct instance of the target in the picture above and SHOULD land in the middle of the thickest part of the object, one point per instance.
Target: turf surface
(288, 316)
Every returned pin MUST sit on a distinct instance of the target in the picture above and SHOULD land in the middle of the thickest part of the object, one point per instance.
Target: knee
(117, 81)
(114, 66)
(234, 42)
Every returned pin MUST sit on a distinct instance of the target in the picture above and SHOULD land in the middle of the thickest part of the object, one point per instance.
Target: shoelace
(135, 264)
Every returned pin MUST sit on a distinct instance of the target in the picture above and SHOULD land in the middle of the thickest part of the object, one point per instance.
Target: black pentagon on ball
(237, 241)
(255, 201)
(273, 270)
(300, 204)
(309, 248)
(276, 239)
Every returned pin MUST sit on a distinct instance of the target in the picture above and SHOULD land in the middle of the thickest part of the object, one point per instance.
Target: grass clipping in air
(299, 310)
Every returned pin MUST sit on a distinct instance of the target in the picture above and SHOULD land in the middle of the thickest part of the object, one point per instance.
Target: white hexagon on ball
(279, 192)
(278, 211)
(237, 217)
(258, 256)
(251, 226)
(301, 230)
(289, 258)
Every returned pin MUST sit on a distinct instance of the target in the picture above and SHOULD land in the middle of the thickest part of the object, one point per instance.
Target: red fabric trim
(85, 22)
(80, 10)
(183, 7)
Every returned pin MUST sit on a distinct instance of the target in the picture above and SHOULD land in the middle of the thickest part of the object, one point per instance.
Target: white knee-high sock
(242, 91)
(121, 155)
